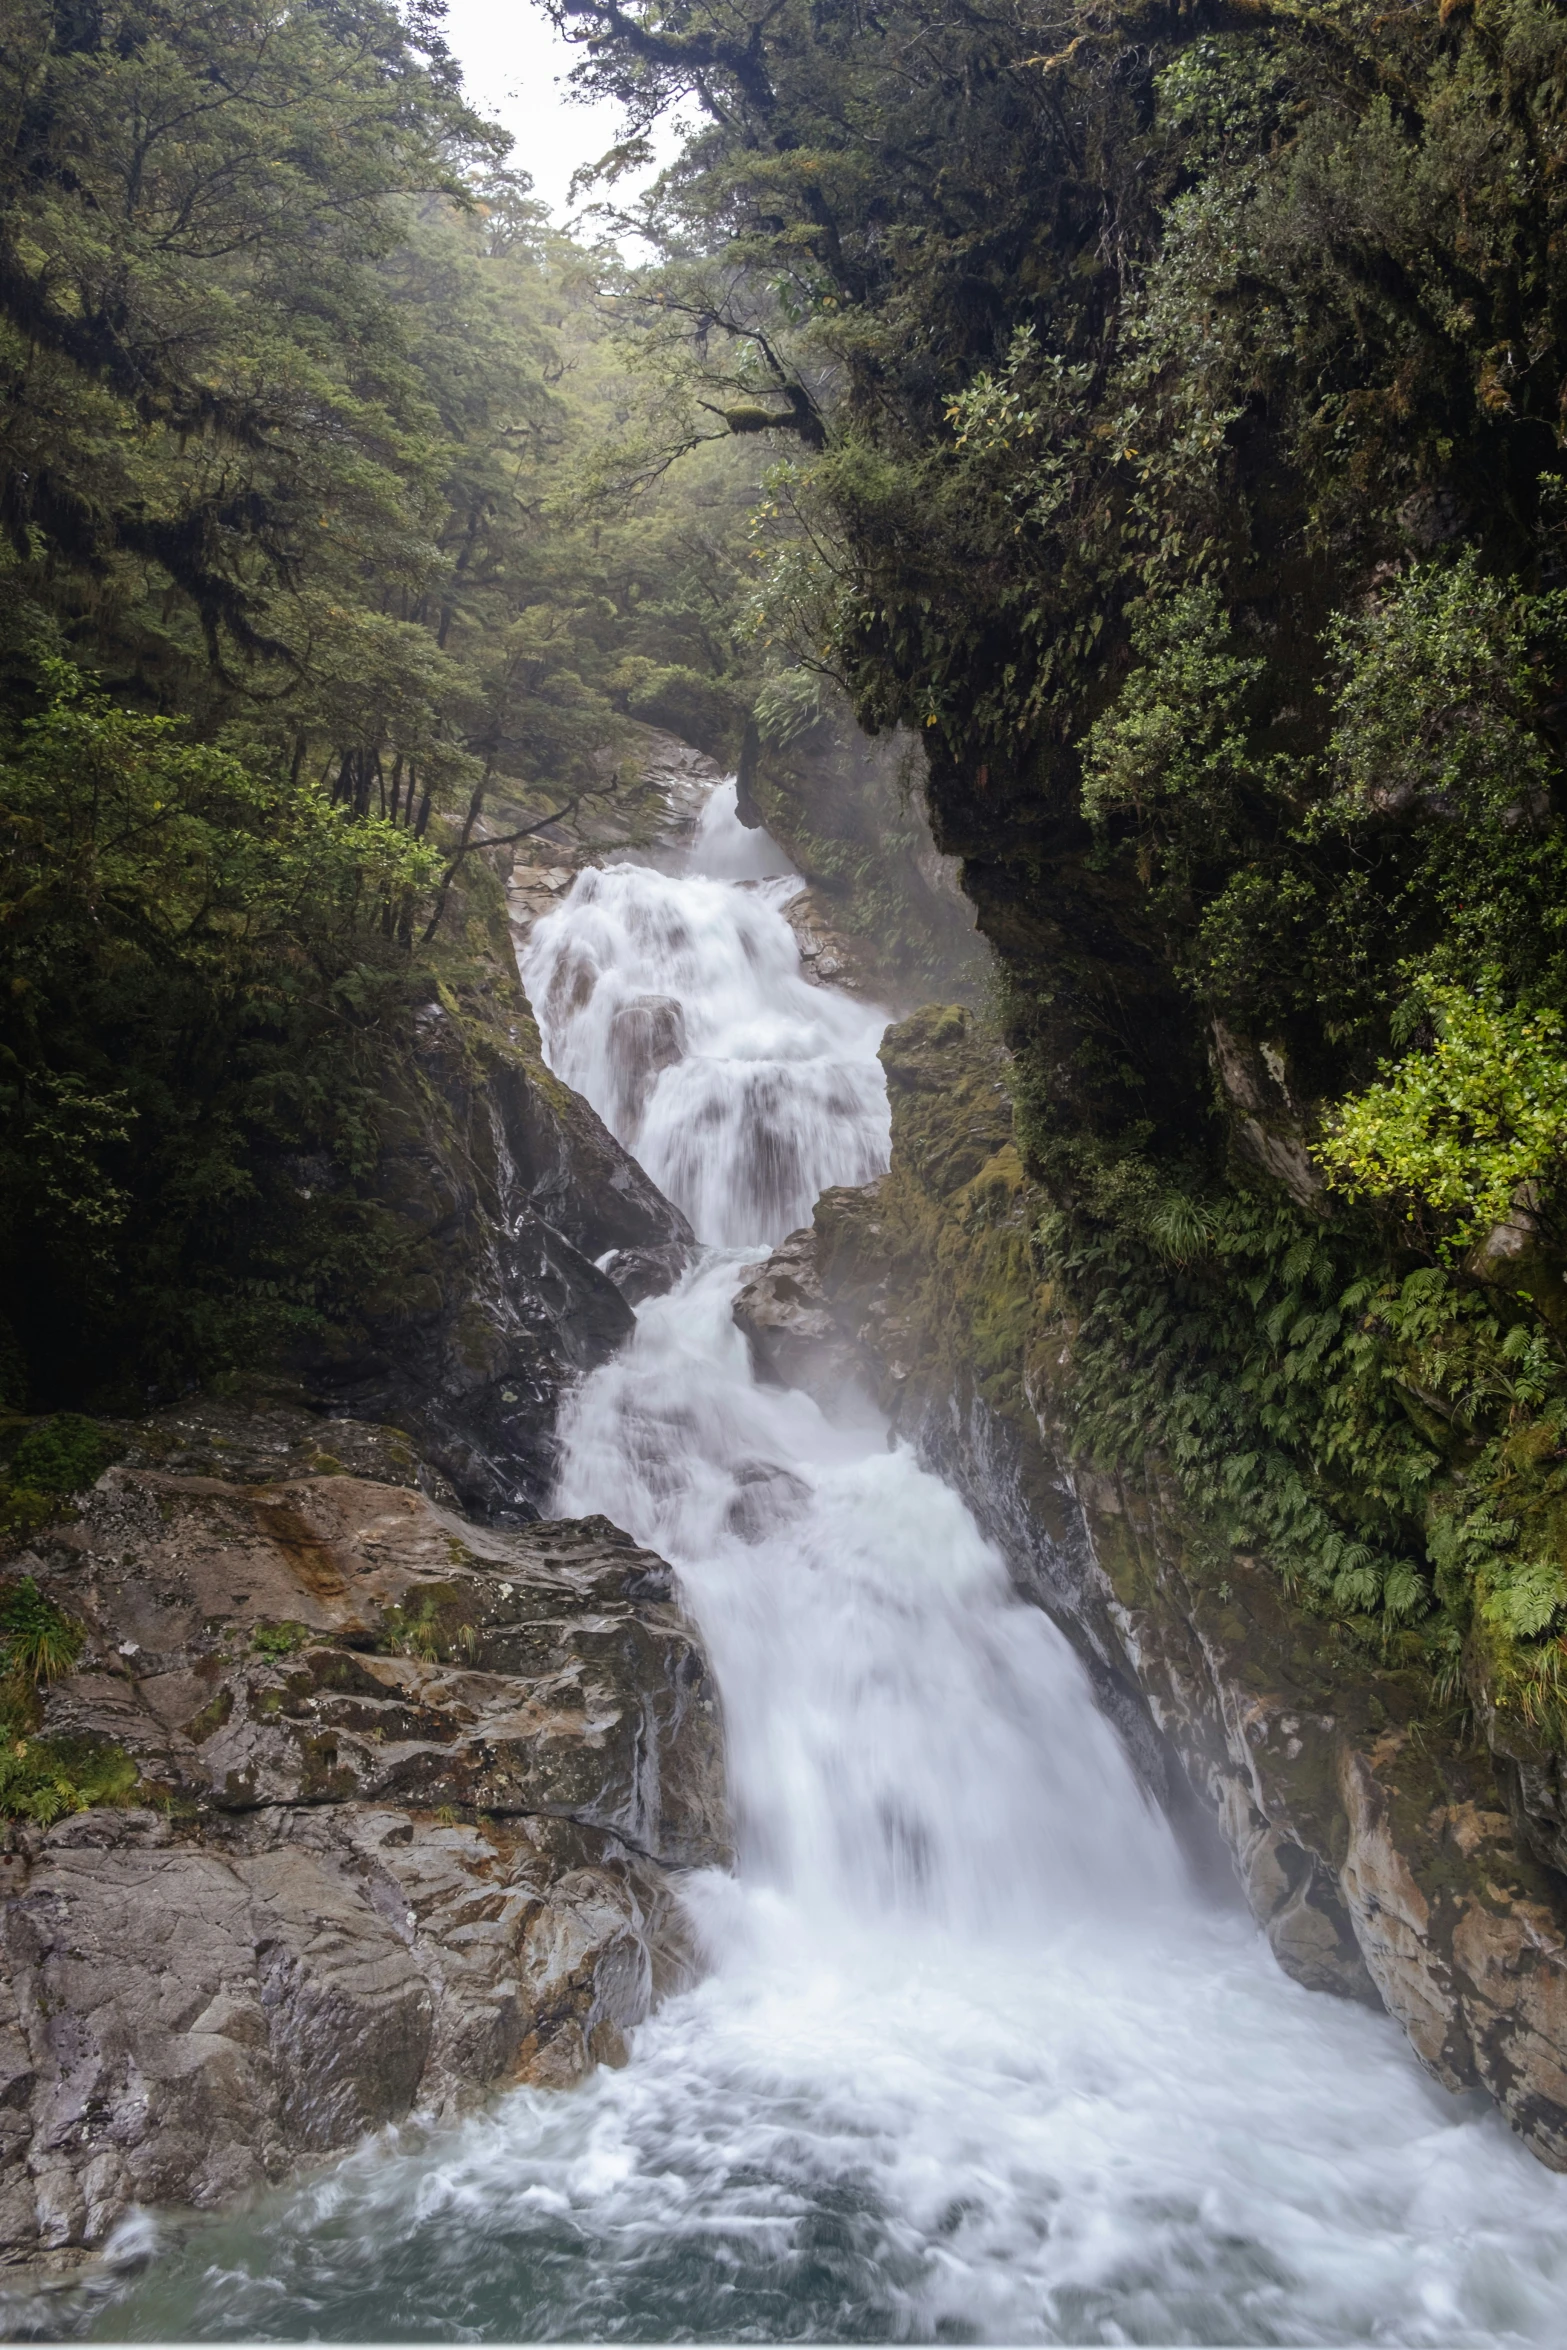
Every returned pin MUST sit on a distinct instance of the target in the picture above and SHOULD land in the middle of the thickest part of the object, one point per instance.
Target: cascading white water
(677, 1005)
(972, 2062)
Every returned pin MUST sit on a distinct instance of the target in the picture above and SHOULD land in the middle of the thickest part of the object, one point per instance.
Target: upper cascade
(678, 1006)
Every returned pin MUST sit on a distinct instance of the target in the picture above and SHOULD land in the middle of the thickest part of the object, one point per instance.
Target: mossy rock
(63, 1454)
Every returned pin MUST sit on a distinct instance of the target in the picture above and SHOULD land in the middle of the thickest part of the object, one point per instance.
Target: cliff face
(402, 1803)
(500, 1188)
(1384, 1848)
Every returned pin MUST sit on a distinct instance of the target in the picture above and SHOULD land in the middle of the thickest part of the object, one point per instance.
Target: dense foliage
(330, 552)
(1175, 408)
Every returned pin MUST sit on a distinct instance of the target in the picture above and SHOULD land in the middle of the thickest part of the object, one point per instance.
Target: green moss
(214, 1714)
(280, 1640)
(63, 1455)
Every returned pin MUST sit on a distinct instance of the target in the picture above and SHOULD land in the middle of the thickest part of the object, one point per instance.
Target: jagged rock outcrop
(828, 958)
(407, 1800)
(795, 1338)
(1388, 1855)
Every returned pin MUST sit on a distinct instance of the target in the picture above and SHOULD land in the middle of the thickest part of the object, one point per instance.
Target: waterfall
(973, 2061)
(677, 1005)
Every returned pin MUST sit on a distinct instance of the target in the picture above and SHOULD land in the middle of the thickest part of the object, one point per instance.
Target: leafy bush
(1461, 1129)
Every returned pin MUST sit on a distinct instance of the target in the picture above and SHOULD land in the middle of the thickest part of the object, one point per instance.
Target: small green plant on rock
(44, 1779)
(429, 1630)
(280, 1640)
(39, 1641)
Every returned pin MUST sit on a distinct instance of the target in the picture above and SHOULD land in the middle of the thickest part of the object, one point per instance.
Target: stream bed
(973, 2060)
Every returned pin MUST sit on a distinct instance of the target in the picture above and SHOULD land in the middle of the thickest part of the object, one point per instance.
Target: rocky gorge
(345, 1799)
(686, 1652)
(1391, 1852)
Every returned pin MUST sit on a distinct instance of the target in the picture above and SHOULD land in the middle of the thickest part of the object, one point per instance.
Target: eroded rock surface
(1388, 1853)
(828, 957)
(412, 1800)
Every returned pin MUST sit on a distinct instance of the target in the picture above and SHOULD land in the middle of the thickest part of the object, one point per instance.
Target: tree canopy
(310, 583)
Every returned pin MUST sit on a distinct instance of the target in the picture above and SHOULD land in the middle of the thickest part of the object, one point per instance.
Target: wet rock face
(505, 1189)
(1385, 1857)
(413, 1798)
(520, 1233)
(827, 957)
(792, 1333)
(647, 1036)
(884, 911)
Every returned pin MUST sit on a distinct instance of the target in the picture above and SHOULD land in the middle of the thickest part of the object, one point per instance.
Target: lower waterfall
(972, 2061)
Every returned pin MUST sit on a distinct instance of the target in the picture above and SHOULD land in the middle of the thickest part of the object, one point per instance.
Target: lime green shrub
(1457, 1130)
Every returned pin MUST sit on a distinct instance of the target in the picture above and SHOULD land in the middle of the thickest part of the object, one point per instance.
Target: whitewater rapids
(973, 2061)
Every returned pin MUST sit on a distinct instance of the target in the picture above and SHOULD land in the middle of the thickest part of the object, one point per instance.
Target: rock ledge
(412, 1797)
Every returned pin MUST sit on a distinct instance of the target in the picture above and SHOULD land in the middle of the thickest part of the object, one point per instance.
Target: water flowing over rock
(409, 1796)
(974, 2057)
(506, 1190)
(1380, 1854)
(678, 1006)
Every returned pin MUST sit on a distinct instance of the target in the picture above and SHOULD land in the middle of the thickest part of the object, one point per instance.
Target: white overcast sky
(515, 67)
